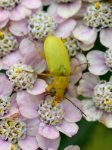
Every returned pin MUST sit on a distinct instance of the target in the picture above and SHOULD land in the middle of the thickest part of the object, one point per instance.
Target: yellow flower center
(1, 35)
(97, 5)
(107, 102)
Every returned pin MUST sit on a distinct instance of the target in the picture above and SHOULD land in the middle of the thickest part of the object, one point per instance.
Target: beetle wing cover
(56, 56)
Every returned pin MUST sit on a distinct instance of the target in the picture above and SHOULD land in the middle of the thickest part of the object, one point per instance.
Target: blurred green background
(91, 136)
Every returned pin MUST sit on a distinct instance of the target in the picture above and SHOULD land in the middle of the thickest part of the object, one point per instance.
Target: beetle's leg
(60, 84)
(49, 87)
(57, 98)
(46, 74)
(39, 51)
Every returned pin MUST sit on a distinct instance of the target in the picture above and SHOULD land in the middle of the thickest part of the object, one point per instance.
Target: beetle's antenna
(76, 107)
(38, 50)
(75, 68)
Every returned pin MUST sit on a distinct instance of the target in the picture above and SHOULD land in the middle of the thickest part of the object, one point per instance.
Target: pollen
(107, 102)
(97, 5)
(103, 96)
(1, 35)
(51, 115)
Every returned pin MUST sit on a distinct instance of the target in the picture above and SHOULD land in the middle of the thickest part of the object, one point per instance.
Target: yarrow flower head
(49, 114)
(102, 96)
(9, 4)
(41, 24)
(51, 120)
(12, 130)
(8, 43)
(22, 76)
(99, 105)
(98, 15)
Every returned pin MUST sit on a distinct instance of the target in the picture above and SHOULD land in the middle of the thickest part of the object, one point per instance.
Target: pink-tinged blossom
(100, 62)
(50, 119)
(102, 22)
(72, 147)
(17, 10)
(16, 141)
(97, 104)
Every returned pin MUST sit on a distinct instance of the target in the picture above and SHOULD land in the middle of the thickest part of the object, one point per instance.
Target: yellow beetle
(58, 62)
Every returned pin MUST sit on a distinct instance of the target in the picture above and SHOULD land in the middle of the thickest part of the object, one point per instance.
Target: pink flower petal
(4, 23)
(92, 113)
(106, 119)
(27, 47)
(39, 87)
(70, 129)
(32, 126)
(26, 99)
(30, 55)
(19, 13)
(18, 28)
(87, 84)
(14, 111)
(52, 10)
(83, 60)
(85, 34)
(11, 59)
(85, 47)
(72, 90)
(96, 60)
(28, 104)
(71, 147)
(28, 143)
(33, 4)
(71, 113)
(76, 71)
(73, 8)
(28, 112)
(45, 143)
(6, 86)
(64, 30)
(4, 15)
(104, 39)
(82, 10)
(4, 145)
(48, 131)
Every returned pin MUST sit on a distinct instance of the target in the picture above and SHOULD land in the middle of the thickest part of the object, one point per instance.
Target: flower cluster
(37, 104)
